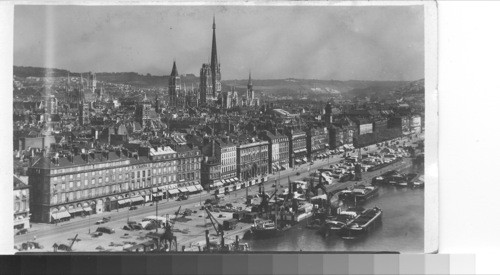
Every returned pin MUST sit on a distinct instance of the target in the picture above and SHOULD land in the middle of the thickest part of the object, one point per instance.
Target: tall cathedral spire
(250, 80)
(214, 60)
(174, 70)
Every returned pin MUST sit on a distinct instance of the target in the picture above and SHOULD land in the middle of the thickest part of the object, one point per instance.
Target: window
(93, 181)
(107, 179)
(78, 195)
(86, 182)
(63, 178)
(78, 184)
(70, 177)
(71, 196)
(63, 186)
(93, 192)
(100, 180)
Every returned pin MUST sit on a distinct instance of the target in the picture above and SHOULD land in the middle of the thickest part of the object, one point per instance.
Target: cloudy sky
(341, 43)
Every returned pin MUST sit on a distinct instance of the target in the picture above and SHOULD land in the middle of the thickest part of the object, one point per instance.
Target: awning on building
(218, 183)
(198, 187)
(236, 179)
(155, 189)
(173, 191)
(238, 186)
(157, 194)
(124, 201)
(87, 208)
(230, 188)
(192, 189)
(75, 210)
(173, 186)
(183, 189)
(60, 215)
(163, 188)
(283, 167)
(222, 190)
(136, 199)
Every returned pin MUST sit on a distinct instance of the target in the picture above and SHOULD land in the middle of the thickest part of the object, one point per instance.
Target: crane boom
(214, 221)
(72, 242)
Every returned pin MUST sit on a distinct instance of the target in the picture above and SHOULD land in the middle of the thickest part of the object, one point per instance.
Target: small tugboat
(359, 194)
(362, 224)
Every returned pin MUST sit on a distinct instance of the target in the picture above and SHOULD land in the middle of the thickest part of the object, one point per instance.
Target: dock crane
(67, 248)
(321, 186)
(218, 229)
(168, 234)
(264, 204)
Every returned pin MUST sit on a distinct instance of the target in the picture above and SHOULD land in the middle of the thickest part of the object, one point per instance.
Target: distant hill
(40, 72)
(417, 86)
(276, 87)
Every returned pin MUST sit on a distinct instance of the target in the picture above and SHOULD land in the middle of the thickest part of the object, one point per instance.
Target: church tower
(215, 66)
(174, 86)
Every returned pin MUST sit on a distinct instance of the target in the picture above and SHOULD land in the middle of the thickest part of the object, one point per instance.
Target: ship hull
(366, 223)
(265, 233)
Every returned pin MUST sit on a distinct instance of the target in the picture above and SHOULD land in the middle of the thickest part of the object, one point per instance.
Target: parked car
(100, 221)
(133, 208)
(182, 198)
(105, 229)
(96, 234)
(22, 231)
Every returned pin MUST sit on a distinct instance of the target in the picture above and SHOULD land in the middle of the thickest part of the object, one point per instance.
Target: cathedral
(174, 88)
(210, 76)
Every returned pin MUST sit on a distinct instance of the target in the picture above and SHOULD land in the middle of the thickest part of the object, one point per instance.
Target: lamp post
(128, 210)
(89, 224)
(156, 215)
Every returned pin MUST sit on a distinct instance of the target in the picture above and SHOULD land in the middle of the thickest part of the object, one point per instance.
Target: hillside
(271, 87)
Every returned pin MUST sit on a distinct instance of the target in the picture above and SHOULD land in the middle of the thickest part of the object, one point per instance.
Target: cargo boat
(334, 224)
(359, 194)
(262, 229)
(283, 222)
(360, 226)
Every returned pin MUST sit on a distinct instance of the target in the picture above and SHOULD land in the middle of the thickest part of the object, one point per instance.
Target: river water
(402, 228)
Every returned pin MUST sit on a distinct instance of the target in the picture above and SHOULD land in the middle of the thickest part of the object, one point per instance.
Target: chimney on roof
(85, 157)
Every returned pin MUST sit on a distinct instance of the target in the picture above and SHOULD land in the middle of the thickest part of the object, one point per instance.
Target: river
(402, 228)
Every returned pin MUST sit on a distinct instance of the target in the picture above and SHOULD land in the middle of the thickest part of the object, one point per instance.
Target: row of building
(77, 181)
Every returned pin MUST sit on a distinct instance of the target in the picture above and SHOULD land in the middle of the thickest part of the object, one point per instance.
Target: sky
(329, 42)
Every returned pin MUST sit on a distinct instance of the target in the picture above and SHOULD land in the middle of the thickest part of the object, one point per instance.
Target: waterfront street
(48, 234)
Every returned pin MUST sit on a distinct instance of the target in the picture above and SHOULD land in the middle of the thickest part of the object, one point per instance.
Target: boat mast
(276, 204)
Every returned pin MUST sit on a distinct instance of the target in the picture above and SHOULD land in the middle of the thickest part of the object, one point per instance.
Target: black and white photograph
(224, 128)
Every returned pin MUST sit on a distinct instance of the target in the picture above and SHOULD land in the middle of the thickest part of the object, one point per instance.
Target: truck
(229, 224)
